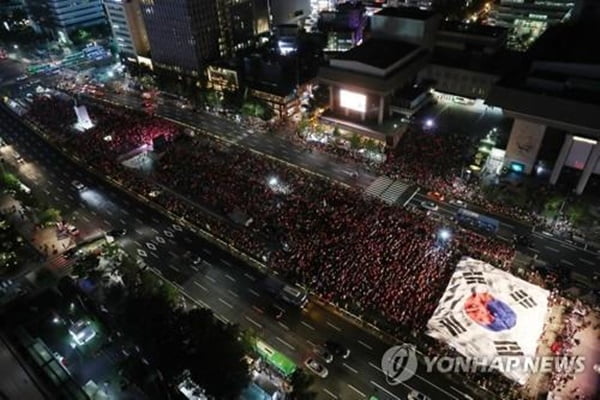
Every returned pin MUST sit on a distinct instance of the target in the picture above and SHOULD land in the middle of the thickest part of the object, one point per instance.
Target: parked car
(117, 232)
(316, 368)
(414, 395)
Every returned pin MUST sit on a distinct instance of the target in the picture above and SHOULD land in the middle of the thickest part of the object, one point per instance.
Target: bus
(280, 362)
(291, 294)
(477, 221)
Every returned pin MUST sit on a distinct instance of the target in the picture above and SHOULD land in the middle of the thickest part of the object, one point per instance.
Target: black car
(337, 349)
(117, 233)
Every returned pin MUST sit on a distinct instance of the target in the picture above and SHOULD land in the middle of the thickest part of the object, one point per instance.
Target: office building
(409, 24)
(128, 28)
(183, 34)
(528, 19)
(555, 101)
(240, 23)
(289, 11)
(343, 26)
(61, 17)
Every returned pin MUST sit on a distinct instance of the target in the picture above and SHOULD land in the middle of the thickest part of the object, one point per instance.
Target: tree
(301, 383)
(49, 215)
(85, 265)
(355, 141)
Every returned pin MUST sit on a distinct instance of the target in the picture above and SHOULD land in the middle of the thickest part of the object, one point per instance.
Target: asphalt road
(223, 283)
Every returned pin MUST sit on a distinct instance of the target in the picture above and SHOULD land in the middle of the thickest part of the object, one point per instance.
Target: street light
(444, 234)
(429, 123)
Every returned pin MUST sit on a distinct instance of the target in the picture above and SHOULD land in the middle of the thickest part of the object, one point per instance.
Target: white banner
(487, 313)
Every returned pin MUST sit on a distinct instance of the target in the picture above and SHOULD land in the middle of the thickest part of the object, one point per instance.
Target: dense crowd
(115, 132)
(371, 258)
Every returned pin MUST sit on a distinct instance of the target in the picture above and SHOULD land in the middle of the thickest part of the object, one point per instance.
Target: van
(294, 295)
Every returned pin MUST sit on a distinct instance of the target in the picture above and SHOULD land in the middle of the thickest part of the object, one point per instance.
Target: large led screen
(353, 101)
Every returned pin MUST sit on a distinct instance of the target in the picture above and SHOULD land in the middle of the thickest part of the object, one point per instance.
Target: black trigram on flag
(454, 327)
(473, 278)
(507, 348)
(523, 298)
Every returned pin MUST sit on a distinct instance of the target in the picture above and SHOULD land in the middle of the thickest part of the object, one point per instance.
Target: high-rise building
(240, 22)
(183, 34)
(60, 17)
(128, 28)
(289, 11)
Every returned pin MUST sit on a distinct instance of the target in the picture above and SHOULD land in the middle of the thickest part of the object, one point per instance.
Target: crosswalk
(387, 189)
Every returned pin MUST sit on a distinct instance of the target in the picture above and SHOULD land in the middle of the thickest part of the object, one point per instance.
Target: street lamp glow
(429, 123)
(273, 181)
(444, 234)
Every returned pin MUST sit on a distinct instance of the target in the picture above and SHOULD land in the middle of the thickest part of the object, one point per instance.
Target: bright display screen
(353, 101)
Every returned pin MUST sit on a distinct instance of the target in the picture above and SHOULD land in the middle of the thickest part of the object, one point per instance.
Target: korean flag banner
(487, 313)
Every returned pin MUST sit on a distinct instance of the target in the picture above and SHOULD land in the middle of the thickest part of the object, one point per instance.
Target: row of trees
(173, 338)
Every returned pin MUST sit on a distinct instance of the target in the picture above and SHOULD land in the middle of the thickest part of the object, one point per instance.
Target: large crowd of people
(370, 258)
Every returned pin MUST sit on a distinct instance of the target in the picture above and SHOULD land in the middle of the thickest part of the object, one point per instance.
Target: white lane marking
(330, 394)
(247, 275)
(155, 230)
(200, 286)
(232, 293)
(357, 391)
(222, 318)
(226, 303)
(554, 249)
(307, 325)
(311, 343)
(142, 253)
(151, 245)
(211, 280)
(174, 268)
(122, 221)
(138, 243)
(172, 254)
(254, 292)
(365, 345)
(286, 344)
(284, 326)
(583, 260)
(160, 240)
(566, 262)
(231, 278)
(350, 368)
(94, 213)
(177, 227)
(334, 327)
(168, 233)
(154, 254)
(378, 386)
(226, 262)
(207, 251)
(258, 325)
(258, 309)
(86, 218)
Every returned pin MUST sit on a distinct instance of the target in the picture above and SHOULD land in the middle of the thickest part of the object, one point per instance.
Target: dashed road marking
(357, 391)
(253, 322)
(350, 368)
(232, 293)
(231, 278)
(307, 325)
(247, 275)
(333, 396)
(286, 344)
(284, 326)
(337, 328)
(212, 280)
(365, 345)
(254, 292)
(258, 309)
(174, 268)
(583, 260)
(200, 286)
(226, 303)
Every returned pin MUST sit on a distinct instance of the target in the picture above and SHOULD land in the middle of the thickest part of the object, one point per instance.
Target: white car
(21, 78)
(429, 205)
(78, 185)
(316, 368)
(414, 395)
(458, 203)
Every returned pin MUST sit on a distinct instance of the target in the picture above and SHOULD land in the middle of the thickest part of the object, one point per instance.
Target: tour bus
(275, 359)
(477, 221)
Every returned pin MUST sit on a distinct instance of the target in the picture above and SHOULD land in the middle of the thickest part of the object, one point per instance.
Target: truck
(291, 294)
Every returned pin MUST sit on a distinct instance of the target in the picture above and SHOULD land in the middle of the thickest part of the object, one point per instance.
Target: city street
(226, 285)
(546, 247)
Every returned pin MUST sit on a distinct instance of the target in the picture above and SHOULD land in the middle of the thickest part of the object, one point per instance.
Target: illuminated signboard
(353, 101)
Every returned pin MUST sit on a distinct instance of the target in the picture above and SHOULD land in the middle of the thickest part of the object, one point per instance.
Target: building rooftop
(406, 12)
(379, 53)
(473, 29)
